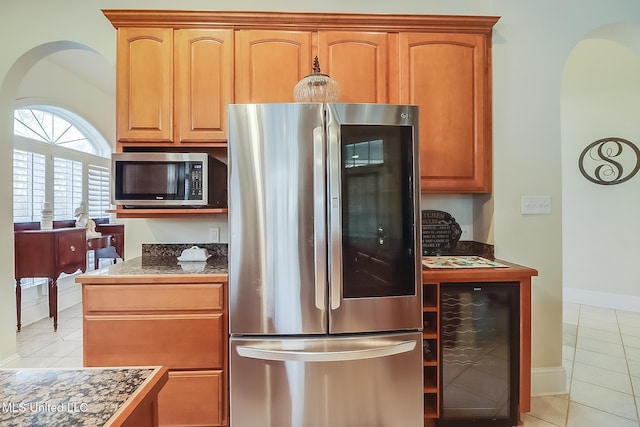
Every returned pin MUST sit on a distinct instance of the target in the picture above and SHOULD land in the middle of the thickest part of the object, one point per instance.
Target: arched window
(60, 158)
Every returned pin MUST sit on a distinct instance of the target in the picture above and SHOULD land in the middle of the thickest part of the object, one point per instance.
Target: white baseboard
(548, 381)
(601, 299)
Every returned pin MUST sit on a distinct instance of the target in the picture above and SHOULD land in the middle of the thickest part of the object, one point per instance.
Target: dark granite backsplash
(174, 250)
(219, 251)
(467, 247)
(461, 247)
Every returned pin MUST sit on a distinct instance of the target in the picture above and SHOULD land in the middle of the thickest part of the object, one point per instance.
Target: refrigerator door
(277, 237)
(374, 221)
(362, 381)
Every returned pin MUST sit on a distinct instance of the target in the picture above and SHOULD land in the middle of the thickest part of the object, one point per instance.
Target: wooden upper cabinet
(144, 94)
(448, 76)
(203, 84)
(357, 60)
(178, 70)
(269, 63)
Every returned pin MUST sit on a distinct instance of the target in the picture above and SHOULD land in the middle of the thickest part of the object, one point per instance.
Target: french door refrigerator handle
(319, 224)
(335, 217)
(285, 355)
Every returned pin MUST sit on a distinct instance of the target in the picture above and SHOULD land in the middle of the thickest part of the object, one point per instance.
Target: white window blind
(29, 185)
(67, 187)
(98, 193)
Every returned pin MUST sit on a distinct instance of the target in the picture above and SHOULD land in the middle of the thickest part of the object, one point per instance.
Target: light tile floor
(601, 353)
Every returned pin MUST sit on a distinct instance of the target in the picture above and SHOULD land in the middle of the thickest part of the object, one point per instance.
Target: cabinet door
(203, 84)
(447, 75)
(192, 398)
(144, 81)
(358, 62)
(270, 63)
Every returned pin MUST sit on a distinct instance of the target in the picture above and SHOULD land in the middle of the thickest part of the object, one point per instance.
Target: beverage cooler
(480, 353)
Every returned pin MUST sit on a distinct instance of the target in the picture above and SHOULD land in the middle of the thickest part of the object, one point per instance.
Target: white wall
(600, 98)
(532, 41)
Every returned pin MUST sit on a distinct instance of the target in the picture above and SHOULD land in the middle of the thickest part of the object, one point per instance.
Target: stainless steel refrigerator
(324, 266)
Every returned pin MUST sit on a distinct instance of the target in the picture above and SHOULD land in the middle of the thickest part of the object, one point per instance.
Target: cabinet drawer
(174, 341)
(192, 398)
(156, 297)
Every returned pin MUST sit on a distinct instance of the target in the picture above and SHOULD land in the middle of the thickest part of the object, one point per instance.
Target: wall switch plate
(535, 205)
(214, 234)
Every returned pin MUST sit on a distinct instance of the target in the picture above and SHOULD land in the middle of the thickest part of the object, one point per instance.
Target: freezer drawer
(357, 381)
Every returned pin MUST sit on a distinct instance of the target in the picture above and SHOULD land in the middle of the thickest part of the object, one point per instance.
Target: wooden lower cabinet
(159, 320)
(431, 350)
(192, 398)
(431, 281)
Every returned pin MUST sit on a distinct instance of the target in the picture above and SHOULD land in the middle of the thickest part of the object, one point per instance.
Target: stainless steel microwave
(158, 180)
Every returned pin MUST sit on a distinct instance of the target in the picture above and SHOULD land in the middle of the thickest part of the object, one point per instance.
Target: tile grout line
(573, 367)
(626, 360)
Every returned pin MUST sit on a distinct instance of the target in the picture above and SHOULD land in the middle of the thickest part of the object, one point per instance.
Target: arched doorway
(600, 99)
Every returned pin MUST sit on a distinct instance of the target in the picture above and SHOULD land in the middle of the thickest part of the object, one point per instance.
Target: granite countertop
(158, 265)
(162, 259)
(69, 397)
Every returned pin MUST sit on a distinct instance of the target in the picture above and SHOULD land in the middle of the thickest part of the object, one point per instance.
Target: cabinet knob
(73, 248)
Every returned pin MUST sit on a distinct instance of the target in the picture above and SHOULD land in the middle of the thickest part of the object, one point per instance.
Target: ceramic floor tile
(611, 326)
(602, 347)
(634, 367)
(600, 335)
(46, 323)
(607, 315)
(38, 362)
(27, 348)
(552, 409)
(628, 318)
(569, 339)
(604, 399)
(631, 330)
(570, 313)
(532, 421)
(28, 334)
(584, 416)
(632, 353)
(630, 341)
(568, 352)
(602, 377)
(70, 324)
(68, 362)
(635, 383)
(76, 353)
(73, 335)
(584, 308)
(588, 357)
(58, 349)
(73, 311)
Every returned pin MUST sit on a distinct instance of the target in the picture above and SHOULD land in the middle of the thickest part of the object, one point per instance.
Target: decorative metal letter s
(607, 161)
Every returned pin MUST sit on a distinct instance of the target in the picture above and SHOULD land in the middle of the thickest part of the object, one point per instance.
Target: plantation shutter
(28, 185)
(98, 193)
(67, 187)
